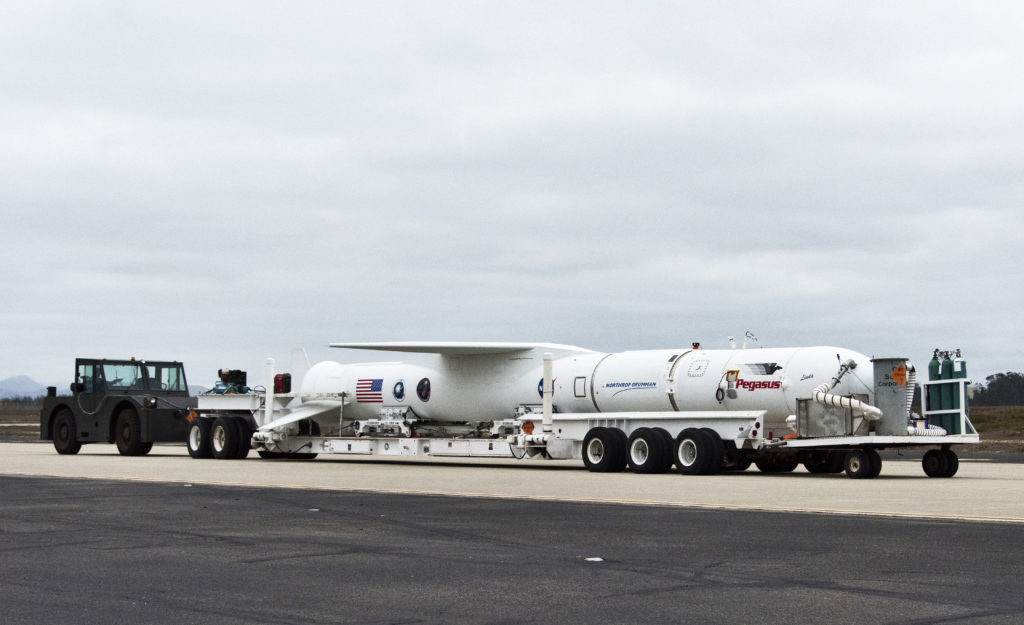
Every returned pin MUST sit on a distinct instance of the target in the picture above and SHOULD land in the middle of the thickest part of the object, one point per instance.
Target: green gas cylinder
(934, 392)
(959, 373)
(947, 374)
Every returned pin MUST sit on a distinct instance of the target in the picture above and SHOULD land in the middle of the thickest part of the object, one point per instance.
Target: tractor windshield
(122, 376)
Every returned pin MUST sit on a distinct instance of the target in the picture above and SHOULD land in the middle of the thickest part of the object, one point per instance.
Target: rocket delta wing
(461, 348)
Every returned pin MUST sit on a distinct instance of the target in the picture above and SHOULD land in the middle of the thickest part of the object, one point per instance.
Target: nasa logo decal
(540, 387)
(399, 390)
(423, 389)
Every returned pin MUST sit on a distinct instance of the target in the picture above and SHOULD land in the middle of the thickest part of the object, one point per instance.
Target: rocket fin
(307, 410)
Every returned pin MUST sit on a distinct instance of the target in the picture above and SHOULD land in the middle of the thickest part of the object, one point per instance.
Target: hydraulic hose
(870, 412)
(822, 396)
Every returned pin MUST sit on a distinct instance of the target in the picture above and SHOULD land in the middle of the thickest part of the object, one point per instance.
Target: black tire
(128, 433)
(244, 439)
(197, 438)
(860, 464)
(619, 446)
(717, 458)
(736, 460)
(65, 433)
(595, 450)
(644, 451)
(668, 446)
(825, 462)
(741, 464)
(777, 464)
(835, 461)
(876, 463)
(786, 465)
(692, 453)
(603, 451)
(815, 467)
(224, 438)
(935, 463)
(954, 463)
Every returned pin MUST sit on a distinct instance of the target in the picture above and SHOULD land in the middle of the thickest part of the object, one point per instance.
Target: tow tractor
(133, 403)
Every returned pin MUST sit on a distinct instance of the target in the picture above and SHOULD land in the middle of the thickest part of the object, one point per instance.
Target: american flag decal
(370, 391)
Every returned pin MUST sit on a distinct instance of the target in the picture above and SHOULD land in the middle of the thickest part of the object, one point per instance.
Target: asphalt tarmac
(96, 551)
(173, 540)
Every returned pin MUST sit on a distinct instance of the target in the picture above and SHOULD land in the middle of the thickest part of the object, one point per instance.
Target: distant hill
(21, 386)
(24, 386)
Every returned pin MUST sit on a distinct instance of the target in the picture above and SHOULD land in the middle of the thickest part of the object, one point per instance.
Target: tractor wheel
(65, 433)
(128, 434)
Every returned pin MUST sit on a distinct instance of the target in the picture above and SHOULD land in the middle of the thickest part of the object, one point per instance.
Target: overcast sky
(218, 182)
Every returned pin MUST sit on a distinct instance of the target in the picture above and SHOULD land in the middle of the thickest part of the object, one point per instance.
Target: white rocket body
(474, 382)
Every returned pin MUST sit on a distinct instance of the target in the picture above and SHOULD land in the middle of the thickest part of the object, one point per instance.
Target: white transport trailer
(702, 411)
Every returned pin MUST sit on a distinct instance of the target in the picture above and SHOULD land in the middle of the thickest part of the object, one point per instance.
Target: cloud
(219, 182)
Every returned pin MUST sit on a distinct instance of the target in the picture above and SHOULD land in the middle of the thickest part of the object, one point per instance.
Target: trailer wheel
(777, 464)
(936, 463)
(224, 437)
(876, 463)
(128, 434)
(835, 461)
(735, 460)
(244, 439)
(65, 437)
(693, 452)
(817, 464)
(825, 462)
(198, 438)
(668, 445)
(645, 451)
(954, 462)
(604, 450)
(861, 464)
(741, 464)
(620, 446)
(717, 457)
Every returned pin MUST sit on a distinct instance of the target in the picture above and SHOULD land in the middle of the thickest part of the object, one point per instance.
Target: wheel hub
(688, 453)
(639, 452)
